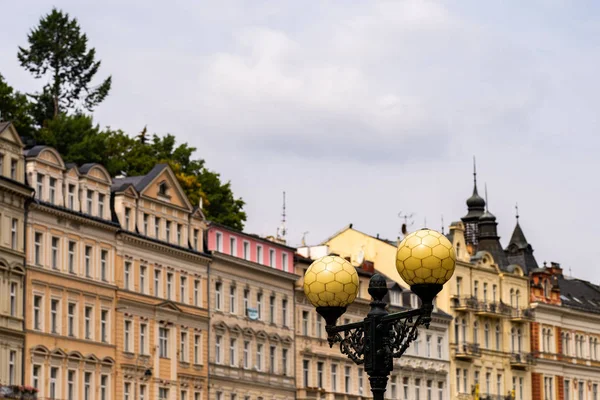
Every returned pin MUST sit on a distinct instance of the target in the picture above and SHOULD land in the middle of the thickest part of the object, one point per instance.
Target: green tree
(58, 50)
(16, 107)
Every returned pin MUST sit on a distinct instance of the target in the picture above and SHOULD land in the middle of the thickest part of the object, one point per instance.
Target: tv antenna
(443, 224)
(304, 238)
(282, 230)
(408, 222)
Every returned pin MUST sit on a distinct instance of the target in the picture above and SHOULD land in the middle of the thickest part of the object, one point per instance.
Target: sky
(361, 110)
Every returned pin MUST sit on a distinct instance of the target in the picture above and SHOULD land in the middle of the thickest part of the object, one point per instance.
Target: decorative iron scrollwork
(402, 334)
(353, 344)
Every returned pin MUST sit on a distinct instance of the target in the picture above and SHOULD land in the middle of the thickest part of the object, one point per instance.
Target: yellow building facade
(14, 195)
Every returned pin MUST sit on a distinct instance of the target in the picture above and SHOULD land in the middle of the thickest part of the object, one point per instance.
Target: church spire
(519, 251)
(475, 209)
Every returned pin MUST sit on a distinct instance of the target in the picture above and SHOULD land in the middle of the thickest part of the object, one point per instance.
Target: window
(142, 392)
(595, 391)
(272, 355)
(157, 290)
(486, 335)
(163, 393)
(39, 186)
(219, 349)
(88, 261)
(218, 296)
(103, 265)
(417, 388)
(284, 317)
(183, 347)
(499, 384)
(168, 231)
(498, 338)
(127, 336)
(246, 354)
(272, 309)
(184, 395)
(126, 390)
(259, 356)
(485, 291)
(548, 388)
(333, 377)
(284, 361)
(219, 241)
(429, 390)
(458, 285)
(36, 376)
(405, 388)
(347, 382)
(71, 257)
(13, 234)
(101, 205)
(272, 258)
(233, 352)
(127, 217)
(320, 374)
(305, 323)
(54, 253)
(440, 390)
(145, 222)
(53, 382)
(104, 326)
(494, 289)
(232, 299)
(246, 250)
(13, 169)
(360, 380)
(13, 299)
(319, 326)
(567, 387)
(466, 380)
(143, 278)
(90, 201)
(195, 239)
(71, 311)
(196, 292)
(428, 346)
(197, 349)
(163, 342)
(12, 359)
(305, 372)
(488, 384)
(52, 191)
(259, 254)
(284, 262)
(87, 386)
(169, 285)
(581, 388)
(88, 322)
(259, 298)
(71, 385)
(156, 227)
(54, 305)
(183, 289)
(143, 340)
(246, 301)
(127, 275)
(179, 234)
(440, 346)
(37, 247)
(233, 246)
(476, 289)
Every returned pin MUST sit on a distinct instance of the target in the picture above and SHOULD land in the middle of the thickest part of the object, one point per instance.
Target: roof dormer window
(163, 189)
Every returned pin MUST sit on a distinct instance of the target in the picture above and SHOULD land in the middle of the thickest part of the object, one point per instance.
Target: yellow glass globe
(331, 281)
(425, 256)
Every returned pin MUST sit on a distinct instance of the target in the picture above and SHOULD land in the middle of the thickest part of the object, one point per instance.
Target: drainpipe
(25, 219)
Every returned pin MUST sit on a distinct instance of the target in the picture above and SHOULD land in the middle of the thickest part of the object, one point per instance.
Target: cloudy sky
(360, 110)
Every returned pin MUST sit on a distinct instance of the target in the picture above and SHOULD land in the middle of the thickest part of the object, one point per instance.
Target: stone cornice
(74, 216)
(129, 237)
(254, 266)
(15, 187)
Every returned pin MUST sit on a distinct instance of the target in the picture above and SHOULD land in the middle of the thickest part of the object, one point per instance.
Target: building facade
(14, 197)
(325, 373)
(70, 285)
(161, 274)
(488, 299)
(251, 298)
(565, 336)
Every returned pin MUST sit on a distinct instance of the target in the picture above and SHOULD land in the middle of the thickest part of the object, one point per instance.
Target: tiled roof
(579, 294)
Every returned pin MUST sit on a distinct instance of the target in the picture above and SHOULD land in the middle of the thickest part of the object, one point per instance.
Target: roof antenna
(408, 222)
(517, 211)
(443, 224)
(304, 238)
(474, 171)
(282, 231)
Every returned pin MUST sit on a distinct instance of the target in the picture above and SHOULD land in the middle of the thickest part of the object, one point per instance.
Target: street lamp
(425, 260)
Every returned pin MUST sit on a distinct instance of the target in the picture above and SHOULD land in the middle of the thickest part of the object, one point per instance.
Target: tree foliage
(15, 107)
(59, 51)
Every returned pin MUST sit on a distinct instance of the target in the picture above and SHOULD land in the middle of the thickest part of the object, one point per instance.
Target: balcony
(464, 303)
(495, 397)
(522, 315)
(521, 360)
(467, 351)
(486, 309)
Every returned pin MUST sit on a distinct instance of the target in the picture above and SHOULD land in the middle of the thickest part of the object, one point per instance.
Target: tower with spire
(476, 208)
(519, 251)
(488, 239)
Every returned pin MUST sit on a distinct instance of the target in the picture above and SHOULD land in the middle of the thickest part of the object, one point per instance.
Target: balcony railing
(522, 314)
(521, 360)
(464, 303)
(495, 397)
(493, 309)
(467, 351)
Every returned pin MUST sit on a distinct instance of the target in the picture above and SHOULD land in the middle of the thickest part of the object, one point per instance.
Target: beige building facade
(14, 196)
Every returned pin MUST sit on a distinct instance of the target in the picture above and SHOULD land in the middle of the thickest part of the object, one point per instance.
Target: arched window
(476, 332)
(517, 294)
(512, 297)
(513, 339)
(519, 339)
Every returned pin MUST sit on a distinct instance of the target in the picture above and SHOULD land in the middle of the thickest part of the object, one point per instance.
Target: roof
(350, 226)
(518, 237)
(85, 168)
(250, 235)
(138, 182)
(35, 150)
(579, 294)
(520, 252)
(4, 125)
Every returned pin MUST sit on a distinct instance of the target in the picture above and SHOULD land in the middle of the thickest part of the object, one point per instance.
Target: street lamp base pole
(378, 386)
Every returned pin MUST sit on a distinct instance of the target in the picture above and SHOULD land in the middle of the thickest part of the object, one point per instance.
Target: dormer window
(13, 170)
(90, 200)
(163, 188)
(71, 196)
(39, 186)
(127, 217)
(100, 205)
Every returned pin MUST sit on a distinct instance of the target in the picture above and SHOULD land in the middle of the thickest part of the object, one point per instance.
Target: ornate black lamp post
(425, 260)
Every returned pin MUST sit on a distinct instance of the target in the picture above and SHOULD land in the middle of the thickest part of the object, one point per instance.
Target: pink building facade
(251, 248)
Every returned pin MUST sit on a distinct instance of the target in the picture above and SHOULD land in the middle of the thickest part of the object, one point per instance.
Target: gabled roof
(7, 124)
(518, 238)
